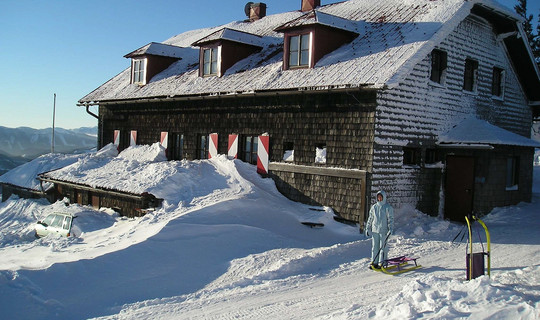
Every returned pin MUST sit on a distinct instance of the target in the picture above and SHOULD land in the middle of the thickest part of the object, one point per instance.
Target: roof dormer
(222, 49)
(151, 59)
(312, 36)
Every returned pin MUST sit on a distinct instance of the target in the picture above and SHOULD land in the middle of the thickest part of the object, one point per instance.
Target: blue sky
(72, 47)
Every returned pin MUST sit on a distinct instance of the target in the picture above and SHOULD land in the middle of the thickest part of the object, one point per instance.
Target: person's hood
(383, 194)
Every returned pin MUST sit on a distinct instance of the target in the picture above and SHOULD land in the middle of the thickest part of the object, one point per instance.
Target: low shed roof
(476, 132)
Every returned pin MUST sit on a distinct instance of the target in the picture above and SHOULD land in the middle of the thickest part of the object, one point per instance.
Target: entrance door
(459, 187)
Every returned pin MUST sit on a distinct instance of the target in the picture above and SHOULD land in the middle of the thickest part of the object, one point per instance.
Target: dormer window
(138, 74)
(299, 50)
(210, 61)
(222, 49)
(310, 37)
(153, 58)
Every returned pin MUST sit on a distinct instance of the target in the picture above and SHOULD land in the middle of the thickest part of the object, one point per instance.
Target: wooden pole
(53, 118)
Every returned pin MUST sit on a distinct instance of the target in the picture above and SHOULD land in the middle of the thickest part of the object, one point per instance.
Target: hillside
(7, 163)
(227, 245)
(19, 145)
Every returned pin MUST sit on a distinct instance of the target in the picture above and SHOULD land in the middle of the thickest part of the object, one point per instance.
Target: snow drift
(227, 244)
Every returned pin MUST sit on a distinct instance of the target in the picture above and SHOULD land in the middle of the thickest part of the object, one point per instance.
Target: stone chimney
(308, 5)
(256, 10)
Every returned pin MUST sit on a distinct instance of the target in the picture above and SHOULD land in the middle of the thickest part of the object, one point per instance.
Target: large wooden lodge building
(431, 101)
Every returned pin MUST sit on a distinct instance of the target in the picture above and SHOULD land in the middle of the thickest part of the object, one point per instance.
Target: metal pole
(53, 116)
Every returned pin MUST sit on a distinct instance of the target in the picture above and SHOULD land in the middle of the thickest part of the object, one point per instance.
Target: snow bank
(234, 248)
(26, 175)
(439, 297)
(137, 169)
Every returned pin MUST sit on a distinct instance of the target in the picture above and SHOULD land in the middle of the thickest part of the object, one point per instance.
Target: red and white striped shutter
(212, 145)
(116, 138)
(164, 141)
(133, 138)
(233, 146)
(263, 148)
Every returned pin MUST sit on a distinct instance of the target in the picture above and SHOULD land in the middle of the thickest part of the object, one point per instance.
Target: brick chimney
(308, 5)
(256, 10)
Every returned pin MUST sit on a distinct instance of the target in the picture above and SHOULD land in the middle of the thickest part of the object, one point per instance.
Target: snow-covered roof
(394, 36)
(321, 18)
(476, 132)
(132, 171)
(159, 49)
(232, 35)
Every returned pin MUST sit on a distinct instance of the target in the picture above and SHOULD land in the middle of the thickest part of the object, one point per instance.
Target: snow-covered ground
(227, 245)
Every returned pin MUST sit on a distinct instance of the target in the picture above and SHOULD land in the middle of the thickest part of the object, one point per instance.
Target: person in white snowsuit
(380, 225)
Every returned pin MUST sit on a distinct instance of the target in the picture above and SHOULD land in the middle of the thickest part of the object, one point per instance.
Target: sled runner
(396, 265)
(399, 265)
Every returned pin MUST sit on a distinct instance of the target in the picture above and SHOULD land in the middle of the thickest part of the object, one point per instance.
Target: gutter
(220, 95)
(90, 112)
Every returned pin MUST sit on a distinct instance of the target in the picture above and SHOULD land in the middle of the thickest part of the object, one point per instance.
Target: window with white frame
(210, 61)
(138, 71)
(299, 50)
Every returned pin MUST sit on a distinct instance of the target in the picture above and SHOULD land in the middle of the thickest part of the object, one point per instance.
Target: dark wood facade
(124, 203)
(343, 122)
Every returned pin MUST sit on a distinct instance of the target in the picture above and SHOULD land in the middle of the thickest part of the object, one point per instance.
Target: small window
(138, 69)
(67, 223)
(249, 149)
(432, 156)
(202, 147)
(125, 139)
(512, 173)
(438, 66)
(471, 75)
(320, 153)
(497, 82)
(49, 219)
(57, 222)
(299, 50)
(176, 149)
(288, 152)
(411, 156)
(210, 61)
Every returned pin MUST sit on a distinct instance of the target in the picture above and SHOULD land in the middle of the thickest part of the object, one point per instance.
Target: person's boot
(374, 266)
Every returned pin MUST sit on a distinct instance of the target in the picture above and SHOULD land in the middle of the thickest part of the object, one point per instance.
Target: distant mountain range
(19, 145)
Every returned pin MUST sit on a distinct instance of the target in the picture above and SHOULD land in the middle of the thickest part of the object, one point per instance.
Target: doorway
(459, 188)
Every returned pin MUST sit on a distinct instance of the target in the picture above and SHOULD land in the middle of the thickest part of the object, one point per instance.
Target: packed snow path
(234, 248)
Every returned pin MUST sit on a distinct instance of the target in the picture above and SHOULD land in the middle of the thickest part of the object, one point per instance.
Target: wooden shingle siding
(344, 191)
(344, 122)
(417, 111)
